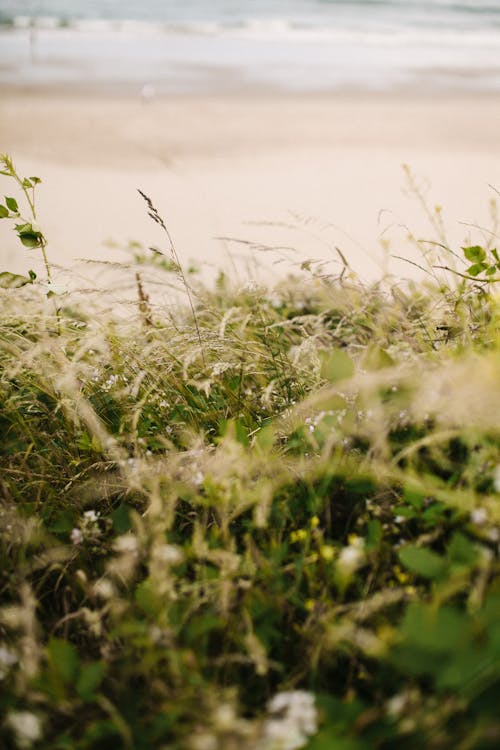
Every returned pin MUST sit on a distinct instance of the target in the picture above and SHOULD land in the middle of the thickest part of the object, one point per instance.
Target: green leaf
(11, 204)
(336, 365)
(377, 358)
(414, 497)
(13, 280)
(4, 212)
(121, 519)
(62, 523)
(265, 438)
(89, 679)
(64, 658)
(461, 550)
(27, 183)
(30, 239)
(443, 631)
(422, 561)
(494, 252)
(476, 269)
(475, 253)
(491, 271)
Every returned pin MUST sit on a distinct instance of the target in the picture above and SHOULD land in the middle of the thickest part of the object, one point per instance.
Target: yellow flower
(298, 536)
(327, 552)
(314, 522)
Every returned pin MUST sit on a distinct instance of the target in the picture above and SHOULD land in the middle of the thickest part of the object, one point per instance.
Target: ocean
(164, 46)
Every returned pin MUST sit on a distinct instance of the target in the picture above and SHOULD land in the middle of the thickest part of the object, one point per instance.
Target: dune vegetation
(266, 520)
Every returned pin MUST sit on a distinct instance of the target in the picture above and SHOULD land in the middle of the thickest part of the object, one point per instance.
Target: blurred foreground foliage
(297, 496)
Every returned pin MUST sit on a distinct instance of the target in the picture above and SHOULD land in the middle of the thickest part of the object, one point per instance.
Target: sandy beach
(303, 174)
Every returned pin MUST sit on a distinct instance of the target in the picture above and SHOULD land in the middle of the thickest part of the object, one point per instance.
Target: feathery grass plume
(178, 269)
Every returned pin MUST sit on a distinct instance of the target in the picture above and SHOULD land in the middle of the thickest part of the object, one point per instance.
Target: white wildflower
(198, 478)
(7, 660)
(104, 589)
(26, 727)
(351, 557)
(496, 478)
(168, 554)
(479, 516)
(293, 721)
(126, 544)
(494, 534)
(76, 536)
(91, 516)
(396, 704)
(224, 717)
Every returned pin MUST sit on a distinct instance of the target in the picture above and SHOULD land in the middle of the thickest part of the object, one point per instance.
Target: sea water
(156, 46)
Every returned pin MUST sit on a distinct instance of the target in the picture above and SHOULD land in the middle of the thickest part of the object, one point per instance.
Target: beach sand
(301, 174)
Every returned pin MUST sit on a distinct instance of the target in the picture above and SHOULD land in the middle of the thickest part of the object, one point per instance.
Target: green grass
(270, 521)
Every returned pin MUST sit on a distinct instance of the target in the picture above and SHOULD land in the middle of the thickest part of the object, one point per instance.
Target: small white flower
(104, 589)
(7, 660)
(27, 728)
(351, 557)
(292, 722)
(91, 516)
(479, 516)
(283, 735)
(224, 717)
(76, 536)
(126, 544)
(198, 478)
(396, 704)
(168, 554)
(496, 478)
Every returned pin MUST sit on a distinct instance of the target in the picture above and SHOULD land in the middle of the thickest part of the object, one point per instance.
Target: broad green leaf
(121, 519)
(422, 561)
(64, 658)
(475, 253)
(265, 438)
(377, 358)
(461, 550)
(11, 204)
(414, 497)
(4, 212)
(476, 269)
(89, 679)
(336, 365)
(62, 523)
(13, 280)
(444, 631)
(491, 271)
(30, 239)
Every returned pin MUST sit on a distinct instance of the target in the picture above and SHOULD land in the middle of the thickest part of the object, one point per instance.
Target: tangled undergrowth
(268, 522)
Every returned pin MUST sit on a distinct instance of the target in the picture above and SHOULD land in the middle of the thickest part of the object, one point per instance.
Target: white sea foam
(294, 44)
